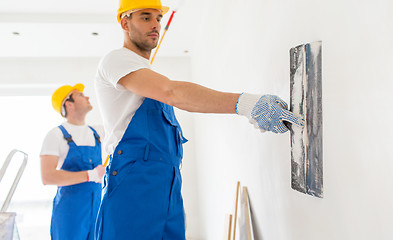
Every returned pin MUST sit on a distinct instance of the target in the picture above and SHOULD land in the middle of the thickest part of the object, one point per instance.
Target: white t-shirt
(117, 104)
(56, 145)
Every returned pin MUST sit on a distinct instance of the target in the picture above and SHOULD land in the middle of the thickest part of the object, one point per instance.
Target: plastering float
(306, 101)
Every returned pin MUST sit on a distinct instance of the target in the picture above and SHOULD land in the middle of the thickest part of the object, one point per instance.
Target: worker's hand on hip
(266, 112)
(96, 174)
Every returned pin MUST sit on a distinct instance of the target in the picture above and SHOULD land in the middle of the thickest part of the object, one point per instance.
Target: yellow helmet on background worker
(127, 5)
(61, 93)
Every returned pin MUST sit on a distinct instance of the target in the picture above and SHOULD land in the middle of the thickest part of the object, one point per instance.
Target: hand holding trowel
(304, 120)
(267, 112)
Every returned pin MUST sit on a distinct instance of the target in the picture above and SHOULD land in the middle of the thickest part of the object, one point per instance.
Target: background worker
(142, 197)
(71, 159)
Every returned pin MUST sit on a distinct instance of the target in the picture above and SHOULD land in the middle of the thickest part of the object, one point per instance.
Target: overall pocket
(117, 175)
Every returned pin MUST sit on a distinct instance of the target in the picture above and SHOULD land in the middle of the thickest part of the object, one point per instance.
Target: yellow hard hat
(127, 5)
(61, 93)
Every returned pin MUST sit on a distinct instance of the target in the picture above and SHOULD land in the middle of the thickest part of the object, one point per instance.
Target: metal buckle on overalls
(68, 139)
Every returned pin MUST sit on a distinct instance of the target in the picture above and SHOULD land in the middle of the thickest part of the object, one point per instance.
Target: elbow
(169, 93)
(46, 180)
(169, 97)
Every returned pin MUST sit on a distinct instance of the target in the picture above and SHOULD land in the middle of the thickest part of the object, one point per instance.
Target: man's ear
(124, 24)
(68, 105)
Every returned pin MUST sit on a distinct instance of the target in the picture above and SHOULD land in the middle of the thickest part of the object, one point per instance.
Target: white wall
(244, 46)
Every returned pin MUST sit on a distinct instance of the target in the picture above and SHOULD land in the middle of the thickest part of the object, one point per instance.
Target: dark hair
(129, 15)
(63, 107)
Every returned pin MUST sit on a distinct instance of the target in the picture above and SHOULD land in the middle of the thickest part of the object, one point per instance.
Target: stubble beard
(144, 46)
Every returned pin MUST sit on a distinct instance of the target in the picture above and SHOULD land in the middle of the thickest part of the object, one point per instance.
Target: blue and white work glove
(266, 112)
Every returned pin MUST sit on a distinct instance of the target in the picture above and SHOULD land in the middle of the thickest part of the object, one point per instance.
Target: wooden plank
(247, 214)
(228, 227)
(236, 204)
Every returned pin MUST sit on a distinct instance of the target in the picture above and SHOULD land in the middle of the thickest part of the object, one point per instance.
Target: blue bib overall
(142, 194)
(75, 207)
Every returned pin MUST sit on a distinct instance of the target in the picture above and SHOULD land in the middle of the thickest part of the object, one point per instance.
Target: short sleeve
(52, 142)
(120, 63)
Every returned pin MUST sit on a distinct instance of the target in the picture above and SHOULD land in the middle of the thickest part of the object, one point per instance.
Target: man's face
(144, 28)
(81, 102)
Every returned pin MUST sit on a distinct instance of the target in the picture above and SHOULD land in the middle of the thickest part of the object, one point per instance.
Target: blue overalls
(142, 193)
(75, 207)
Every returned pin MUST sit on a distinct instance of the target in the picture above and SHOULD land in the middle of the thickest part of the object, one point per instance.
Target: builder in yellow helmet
(142, 195)
(71, 159)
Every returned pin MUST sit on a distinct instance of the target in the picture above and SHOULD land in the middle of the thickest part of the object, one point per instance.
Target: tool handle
(159, 44)
(106, 161)
(170, 20)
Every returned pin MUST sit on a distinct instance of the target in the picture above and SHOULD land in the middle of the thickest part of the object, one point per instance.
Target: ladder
(7, 219)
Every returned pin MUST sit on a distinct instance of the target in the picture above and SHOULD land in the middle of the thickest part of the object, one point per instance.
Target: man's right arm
(184, 95)
(266, 112)
(51, 176)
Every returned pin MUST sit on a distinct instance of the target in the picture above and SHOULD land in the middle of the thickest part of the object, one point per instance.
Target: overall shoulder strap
(66, 135)
(97, 137)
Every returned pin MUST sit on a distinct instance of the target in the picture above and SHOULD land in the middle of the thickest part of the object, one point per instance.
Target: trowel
(306, 101)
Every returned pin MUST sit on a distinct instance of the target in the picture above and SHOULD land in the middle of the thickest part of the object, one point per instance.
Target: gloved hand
(266, 112)
(96, 174)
